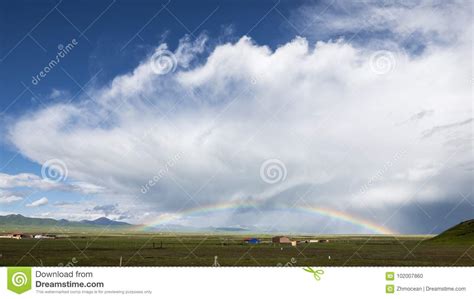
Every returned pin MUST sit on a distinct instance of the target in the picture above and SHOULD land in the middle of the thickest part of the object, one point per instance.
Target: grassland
(98, 249)
(463, 233)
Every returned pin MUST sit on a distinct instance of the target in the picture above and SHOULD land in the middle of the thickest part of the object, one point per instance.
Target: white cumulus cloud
(38, 203)
(350, 133)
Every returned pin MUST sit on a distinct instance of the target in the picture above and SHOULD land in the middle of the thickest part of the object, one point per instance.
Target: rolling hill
(105, 221)
(461, 233)
(18, 221)
(15, 222)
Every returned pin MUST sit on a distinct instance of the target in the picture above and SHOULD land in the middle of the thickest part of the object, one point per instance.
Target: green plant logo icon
(389, 289)
(389, 276)
(19, 279)
(316, 273)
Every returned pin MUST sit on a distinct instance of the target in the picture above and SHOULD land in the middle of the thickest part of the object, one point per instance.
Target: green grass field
(461, 233)
(94, 249)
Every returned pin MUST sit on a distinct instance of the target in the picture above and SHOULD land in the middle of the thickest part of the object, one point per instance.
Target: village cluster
(20, 236)
(274, 240)
(284, 240)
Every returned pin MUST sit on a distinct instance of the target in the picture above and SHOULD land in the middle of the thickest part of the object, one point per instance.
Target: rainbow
(230, 206)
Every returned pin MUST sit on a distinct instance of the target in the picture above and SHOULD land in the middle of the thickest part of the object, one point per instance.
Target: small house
(316, 241)
(281, 240)
(252, 241)
(19, 236)
(41, 236)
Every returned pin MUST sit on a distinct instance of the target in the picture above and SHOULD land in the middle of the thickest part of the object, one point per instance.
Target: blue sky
(348, 103)
(113, 36)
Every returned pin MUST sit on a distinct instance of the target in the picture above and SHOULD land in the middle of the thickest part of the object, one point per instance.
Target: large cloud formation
(352, 126)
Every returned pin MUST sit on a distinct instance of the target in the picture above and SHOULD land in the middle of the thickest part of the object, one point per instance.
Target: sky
(302, 116)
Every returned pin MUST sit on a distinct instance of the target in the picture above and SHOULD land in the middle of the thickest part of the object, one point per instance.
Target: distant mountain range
(105, 221)
(183, 228)
(20, 220)
(17, 221)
